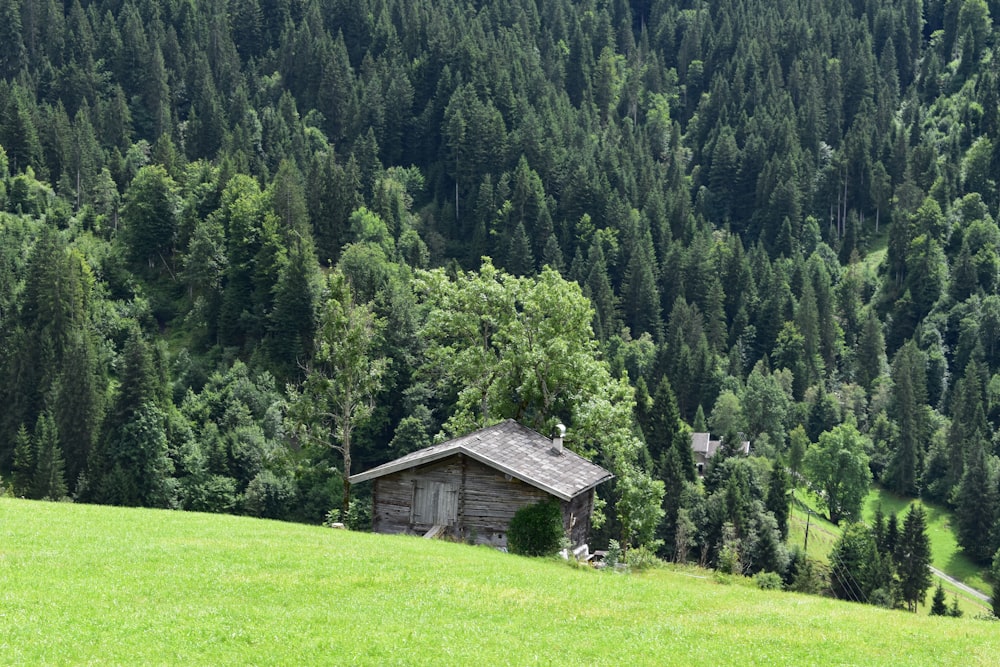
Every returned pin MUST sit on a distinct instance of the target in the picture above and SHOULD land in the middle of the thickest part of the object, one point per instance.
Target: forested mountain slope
(783, 215)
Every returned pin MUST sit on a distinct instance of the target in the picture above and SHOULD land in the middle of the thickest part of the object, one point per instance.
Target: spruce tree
(777, 497)
(49, 481)
(24, 462)
(909, 399)
(975, 505)
(913, 557)
(132, 466)
(938, 604)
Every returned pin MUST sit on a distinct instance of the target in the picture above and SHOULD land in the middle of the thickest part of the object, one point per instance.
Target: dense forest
(243, 242)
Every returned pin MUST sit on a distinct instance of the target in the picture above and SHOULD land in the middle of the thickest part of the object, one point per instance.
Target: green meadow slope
(946, 555)
(85, 584)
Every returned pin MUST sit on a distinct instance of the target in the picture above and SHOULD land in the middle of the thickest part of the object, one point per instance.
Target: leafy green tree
(522, 348)
(838, 466)
(149, 219)
(766, 405)
(344, 376)
(798, 445)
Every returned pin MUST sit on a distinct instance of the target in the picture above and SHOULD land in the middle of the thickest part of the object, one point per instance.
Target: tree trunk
(347, 474)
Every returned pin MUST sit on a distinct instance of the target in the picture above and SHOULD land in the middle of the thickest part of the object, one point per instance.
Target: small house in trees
(470, 487)
(705, 448)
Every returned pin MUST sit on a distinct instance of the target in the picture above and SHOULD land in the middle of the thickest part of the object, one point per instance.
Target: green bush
(536, 530)
(640, 558)
(768, 581)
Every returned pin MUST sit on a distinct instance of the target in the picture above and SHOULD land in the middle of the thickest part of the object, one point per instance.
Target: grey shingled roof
(513, 449)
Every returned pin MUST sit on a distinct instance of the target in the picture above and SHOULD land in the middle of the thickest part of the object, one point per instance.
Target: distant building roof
(702, 443)
(515, 450)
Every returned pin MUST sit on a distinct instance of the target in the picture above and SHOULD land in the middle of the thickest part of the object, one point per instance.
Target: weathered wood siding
(489, 501)
(576, 517)
(474, 501)
(393, 508)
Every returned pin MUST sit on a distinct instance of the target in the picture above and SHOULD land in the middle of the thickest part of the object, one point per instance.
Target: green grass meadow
(945, 553)
(85, 584)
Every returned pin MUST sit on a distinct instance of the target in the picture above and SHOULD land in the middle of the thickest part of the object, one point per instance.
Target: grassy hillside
(945, 553)
(82, 584)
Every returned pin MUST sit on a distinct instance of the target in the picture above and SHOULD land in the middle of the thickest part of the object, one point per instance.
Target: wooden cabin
(470, 487)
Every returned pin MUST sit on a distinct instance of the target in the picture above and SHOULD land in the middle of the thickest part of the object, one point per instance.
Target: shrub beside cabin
(470, 487)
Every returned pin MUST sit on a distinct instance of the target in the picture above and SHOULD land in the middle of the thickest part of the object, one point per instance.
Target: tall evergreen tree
(778, 490)
(909, 404)
(913, 558)
(49, 481)
(975, 505)
(132, 467)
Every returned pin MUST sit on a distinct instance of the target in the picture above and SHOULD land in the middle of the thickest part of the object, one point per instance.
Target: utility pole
(809, 514)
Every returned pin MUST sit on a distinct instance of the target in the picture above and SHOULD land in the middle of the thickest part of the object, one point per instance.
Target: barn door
(434, 504)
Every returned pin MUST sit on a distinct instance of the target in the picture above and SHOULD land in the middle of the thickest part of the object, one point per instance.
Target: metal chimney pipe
(557, 438)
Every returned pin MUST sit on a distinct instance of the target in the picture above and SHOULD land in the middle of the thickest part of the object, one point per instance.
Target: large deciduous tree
(838, 465)
(344, 375)
(523, 348)
(150, 219)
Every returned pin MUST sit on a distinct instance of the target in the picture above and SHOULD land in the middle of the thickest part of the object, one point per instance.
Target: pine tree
(149, 220)
(518, 259)
(640, 296)
(913, 557)
(132, 466)
(670, 471)
(975, 505)
(938, 603)
(910, 397)
(778, 489)
(24, 462)
(79, 405)
(292, 321)
(870, 357)
(49, 481)
(601, 295)
(666, 433)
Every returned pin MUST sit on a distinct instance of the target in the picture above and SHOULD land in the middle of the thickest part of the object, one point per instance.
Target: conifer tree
(776, 502)
(291, 323)
(666, 431)
(913, 557)
(24, 462)
(975, 504)
(131, 466)
(49, 481)
(910, 397)
(939, 606)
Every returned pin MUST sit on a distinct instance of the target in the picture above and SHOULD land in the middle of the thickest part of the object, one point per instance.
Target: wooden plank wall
(393, 495)
(576, 517)
(490, 501)
(487, 500)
